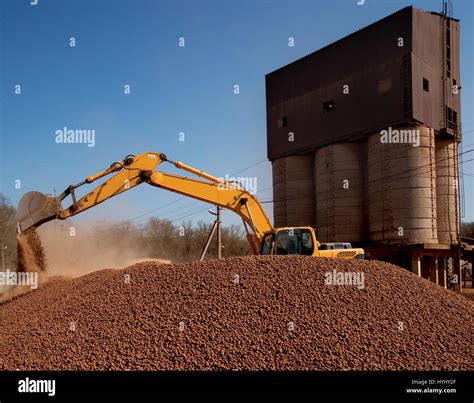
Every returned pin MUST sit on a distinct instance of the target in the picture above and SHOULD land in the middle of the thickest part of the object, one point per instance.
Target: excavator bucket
(36, 208)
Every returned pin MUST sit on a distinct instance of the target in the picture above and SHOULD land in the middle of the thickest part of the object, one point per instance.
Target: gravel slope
(240, 313)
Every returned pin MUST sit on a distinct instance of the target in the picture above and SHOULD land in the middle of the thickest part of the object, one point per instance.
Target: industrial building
(363, 136)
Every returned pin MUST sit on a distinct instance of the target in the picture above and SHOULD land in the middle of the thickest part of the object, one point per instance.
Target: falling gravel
(248, 313)
(31, 256)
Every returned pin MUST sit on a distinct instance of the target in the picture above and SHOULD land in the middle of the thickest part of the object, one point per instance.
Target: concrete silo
(293, 191)
(401, 184)
(447, 191)
(339, 189)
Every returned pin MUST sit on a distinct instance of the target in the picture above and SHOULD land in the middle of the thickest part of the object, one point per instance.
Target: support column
(442, 271)
(433, 262)
(416, 265)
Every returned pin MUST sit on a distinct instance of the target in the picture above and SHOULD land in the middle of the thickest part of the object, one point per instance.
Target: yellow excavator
(35, 208)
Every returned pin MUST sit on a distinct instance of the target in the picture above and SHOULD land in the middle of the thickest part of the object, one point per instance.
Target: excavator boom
(36, 208)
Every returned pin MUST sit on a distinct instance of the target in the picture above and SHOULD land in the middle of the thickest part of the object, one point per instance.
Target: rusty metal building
(332, 168)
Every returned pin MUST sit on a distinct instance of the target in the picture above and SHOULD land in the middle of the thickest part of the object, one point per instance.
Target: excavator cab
(302, 241)
(290, 241)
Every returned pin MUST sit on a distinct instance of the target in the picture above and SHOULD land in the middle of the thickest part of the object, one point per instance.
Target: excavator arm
(35, 208)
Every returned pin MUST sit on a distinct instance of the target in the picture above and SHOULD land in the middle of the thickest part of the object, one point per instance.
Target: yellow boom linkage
(35, 208)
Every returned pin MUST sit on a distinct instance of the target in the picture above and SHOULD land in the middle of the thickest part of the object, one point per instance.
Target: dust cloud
(74, 253)
(31, 258)
(56, 253)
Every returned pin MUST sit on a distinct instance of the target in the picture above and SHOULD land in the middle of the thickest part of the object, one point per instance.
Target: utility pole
(215, 226)
(3, 256)
(219, 238)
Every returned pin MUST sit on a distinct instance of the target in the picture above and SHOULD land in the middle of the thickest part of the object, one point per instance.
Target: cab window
(267, 244)
(306, 243)
(294, 242)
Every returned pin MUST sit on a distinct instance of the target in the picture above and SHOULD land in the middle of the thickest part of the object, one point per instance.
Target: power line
(250, 166)
(206, 208)
(176, 219)
(174, 201)
(387, 177)
(395, 176)
(269, 201)
(170, 221)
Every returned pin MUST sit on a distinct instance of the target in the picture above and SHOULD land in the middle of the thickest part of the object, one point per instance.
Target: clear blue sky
(173, 89)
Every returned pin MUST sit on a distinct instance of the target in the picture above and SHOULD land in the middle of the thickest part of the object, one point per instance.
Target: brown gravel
(31, 256)
(277, 314)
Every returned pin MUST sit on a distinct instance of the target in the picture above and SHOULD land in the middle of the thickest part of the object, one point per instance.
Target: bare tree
(8, 233)
(467, 229)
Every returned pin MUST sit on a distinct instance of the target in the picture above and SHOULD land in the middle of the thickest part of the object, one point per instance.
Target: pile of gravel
(246, 313)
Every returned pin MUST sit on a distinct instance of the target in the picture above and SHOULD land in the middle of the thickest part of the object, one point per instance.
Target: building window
(283, 122)
(426, 85)
(384, 86)
(328, 106)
